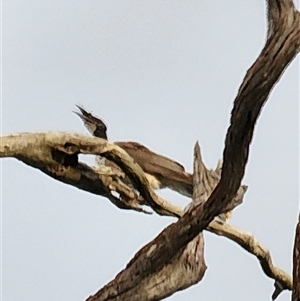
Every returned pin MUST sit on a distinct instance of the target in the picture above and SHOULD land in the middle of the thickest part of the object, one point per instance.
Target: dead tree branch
(186, 268)
(56, 154)
(248, 242)
(296, 265)
(282, 45)
(283, 42)
(40, 150)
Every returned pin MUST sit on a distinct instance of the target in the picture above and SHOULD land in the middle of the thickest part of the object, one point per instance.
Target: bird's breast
(154, 182)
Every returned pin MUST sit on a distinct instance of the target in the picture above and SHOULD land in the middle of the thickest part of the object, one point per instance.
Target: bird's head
(95, 125)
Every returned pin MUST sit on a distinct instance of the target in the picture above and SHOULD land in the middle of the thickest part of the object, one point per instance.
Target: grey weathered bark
(59, 159)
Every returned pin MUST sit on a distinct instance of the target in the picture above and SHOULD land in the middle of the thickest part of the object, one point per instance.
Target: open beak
(95, 125)
(84, 115)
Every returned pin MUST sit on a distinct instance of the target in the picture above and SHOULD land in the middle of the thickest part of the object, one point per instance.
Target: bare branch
(186, 268)
(296, 264)
(281, 47)
(36, 149)
(56, 154)
(248, 242)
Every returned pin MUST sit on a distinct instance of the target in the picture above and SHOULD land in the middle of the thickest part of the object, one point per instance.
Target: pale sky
(165, 74)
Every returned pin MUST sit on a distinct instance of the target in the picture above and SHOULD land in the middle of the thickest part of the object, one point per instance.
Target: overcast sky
(165, 74)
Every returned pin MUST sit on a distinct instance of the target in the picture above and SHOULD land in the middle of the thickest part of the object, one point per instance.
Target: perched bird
(160, 171)
(94, 124)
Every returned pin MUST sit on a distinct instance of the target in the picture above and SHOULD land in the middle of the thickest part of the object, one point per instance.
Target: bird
(161, 172)
(94, 124)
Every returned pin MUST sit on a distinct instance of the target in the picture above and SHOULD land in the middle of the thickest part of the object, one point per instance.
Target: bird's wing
(147, 158)
(169, 172)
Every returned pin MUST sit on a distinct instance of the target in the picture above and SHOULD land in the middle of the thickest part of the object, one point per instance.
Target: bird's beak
(84, 115)
(90, 121)
(82, 110)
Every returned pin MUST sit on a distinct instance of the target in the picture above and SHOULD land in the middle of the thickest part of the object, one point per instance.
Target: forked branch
(56, 154)
(282, 45)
